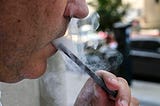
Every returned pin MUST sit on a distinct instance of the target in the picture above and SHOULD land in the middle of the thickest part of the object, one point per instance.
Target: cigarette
(91, 73)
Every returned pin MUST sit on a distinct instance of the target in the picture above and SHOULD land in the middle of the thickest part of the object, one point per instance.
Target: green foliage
(110, 11)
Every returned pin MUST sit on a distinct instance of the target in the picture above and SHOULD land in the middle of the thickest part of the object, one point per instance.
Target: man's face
(27, 28)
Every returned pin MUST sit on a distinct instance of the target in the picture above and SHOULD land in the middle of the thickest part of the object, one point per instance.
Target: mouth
(52, 48)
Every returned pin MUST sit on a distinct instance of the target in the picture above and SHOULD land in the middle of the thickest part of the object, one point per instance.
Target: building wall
(151, 14)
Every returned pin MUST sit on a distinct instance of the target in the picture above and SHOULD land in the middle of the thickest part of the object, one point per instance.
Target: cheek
(15, 53)
(35, 66)
(52, 18)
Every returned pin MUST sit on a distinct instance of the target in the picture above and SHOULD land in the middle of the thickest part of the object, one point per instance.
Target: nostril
(80, 13)
(83, 12)
(77, 10)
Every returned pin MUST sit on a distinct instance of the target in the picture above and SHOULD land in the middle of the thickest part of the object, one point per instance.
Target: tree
(110, 11)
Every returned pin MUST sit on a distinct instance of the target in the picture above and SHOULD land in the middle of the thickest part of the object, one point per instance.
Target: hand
(92, 95)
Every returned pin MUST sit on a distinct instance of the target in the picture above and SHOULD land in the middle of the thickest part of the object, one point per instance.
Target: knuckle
(122, 80)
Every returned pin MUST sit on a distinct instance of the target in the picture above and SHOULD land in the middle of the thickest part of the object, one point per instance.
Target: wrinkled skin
(27, 28)
(92, 95)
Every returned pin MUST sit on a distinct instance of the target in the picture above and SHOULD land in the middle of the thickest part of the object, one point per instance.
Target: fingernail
(123, 103)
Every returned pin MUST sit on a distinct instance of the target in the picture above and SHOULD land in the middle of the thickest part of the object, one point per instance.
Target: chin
(37, 64)
(31, 72)
(35, 72)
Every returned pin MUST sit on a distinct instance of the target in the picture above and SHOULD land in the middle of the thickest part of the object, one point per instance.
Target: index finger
(109, 79)
(117, 83)
(124, 93)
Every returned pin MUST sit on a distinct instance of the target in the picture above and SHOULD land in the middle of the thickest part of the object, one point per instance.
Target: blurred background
(133, 28)
(129, 27)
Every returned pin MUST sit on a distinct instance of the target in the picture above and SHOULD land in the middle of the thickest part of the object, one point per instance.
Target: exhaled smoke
(83, 41)
(95, 59)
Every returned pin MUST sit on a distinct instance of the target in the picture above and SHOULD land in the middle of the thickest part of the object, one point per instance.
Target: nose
(76, 9)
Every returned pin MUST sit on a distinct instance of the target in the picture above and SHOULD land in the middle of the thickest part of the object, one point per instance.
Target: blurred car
(145, 56)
